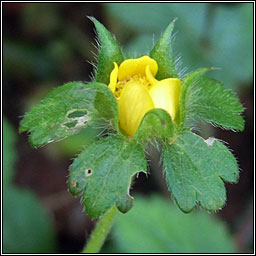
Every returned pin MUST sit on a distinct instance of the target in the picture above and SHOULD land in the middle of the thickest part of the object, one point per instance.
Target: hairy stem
(101, 231)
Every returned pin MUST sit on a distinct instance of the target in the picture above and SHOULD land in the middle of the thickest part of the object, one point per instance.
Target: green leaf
(157, 123)
(26, 226)
(9, 152)
(194, 170)
(205, 98)
(208, 100)
(103, 173)
(156, 226)
(68, 109)
(162, 54)
(186, 91)
(109, 53)
(216, 105)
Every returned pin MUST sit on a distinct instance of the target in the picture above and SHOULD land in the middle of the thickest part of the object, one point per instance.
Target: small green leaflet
(206, 99)
(68, 109)
(195, 170)
(103, 173)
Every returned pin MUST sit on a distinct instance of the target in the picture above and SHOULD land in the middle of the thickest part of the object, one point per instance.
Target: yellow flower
(137, 91)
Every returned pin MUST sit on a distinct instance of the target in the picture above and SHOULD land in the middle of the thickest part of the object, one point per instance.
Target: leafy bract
(195, 170)
(109, 53)
(68, 109)
(103, 173)
(206, 99)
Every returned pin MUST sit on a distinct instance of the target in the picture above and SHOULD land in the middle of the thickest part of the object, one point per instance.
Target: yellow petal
(135, 101)
(150, 77)
(165, 95)
(138, 66)
(113, 78)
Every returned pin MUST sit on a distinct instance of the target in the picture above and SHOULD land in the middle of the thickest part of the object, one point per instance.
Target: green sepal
(68, 109)
(195, 170)
(162, 54)
(109, 53)
(157, 123)
(103, 173)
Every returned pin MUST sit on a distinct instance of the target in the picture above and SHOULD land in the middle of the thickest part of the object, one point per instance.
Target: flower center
(136, 78)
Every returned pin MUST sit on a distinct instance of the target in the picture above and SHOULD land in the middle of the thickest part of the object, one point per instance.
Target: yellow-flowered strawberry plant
(134, 103)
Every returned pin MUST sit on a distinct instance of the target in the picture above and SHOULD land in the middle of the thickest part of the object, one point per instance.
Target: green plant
(146, 102)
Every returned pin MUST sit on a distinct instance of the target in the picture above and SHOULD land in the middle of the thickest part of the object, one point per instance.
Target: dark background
(48, 44)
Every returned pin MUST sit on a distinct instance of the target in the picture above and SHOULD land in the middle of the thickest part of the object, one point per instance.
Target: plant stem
(101, 231)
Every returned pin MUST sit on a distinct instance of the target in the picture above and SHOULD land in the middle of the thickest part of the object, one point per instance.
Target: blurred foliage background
(48, 44)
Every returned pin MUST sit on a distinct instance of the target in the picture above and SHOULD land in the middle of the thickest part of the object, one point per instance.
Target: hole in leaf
(88, 172)
(82, 121)
(71, 124)
(76, 113)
